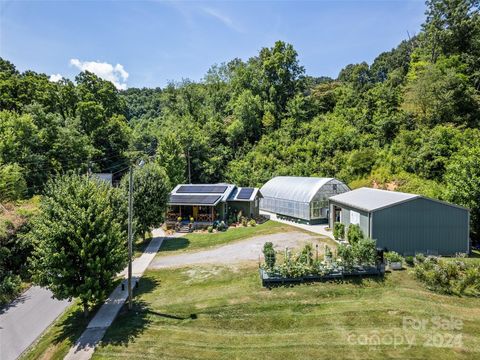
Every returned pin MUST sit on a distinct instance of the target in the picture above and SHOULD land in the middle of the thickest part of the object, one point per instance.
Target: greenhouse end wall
(316, 190)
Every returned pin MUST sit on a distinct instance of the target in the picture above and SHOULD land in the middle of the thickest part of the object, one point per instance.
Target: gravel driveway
(246, 250)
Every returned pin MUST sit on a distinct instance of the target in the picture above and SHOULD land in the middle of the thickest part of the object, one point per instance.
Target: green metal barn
(406, 223)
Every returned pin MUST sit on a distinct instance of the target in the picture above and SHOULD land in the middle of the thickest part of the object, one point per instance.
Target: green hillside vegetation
(408, 121)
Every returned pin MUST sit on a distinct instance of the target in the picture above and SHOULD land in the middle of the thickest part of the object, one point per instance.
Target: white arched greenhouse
(303, 199)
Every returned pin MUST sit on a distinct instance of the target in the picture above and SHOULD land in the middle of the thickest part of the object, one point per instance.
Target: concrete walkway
(317, 229)
(85, 346)
(24, 320)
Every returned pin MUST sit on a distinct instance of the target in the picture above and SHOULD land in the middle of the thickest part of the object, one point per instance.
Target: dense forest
(408, 122)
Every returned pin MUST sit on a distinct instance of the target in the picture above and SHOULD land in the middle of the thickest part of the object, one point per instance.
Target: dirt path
(246, 250)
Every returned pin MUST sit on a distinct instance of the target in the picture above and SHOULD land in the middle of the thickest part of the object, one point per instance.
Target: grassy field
(217, 313)
(196, 241)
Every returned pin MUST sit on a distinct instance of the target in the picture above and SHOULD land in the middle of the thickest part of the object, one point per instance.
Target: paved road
(25, 319)
(245, 250)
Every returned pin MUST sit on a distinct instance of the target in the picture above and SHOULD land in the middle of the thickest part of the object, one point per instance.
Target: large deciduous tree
(463, 183)
(80, 240)
(151, 188)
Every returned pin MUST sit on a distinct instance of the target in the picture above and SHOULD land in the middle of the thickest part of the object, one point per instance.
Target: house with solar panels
(206, 203)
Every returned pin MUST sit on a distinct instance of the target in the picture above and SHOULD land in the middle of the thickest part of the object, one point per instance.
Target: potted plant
(394, 260)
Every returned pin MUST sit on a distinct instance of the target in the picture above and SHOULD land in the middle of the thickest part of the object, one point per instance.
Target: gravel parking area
(246, 250)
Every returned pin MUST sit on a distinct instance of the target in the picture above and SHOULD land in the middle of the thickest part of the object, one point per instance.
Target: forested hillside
(409, 121)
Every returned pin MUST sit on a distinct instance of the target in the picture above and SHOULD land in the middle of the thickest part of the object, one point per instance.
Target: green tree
(80, 244)
(12, 183)
(462, 180)
(151, 189)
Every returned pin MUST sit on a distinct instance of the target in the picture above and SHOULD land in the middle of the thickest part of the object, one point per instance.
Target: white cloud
(225, 19)
(55, 77)
(116, 74)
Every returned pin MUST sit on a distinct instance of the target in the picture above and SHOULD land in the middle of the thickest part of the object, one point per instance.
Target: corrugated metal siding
(422, 225)
(345, 217)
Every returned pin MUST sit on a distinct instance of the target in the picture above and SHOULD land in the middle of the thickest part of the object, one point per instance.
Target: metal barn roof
(372, 199)
(294, 188)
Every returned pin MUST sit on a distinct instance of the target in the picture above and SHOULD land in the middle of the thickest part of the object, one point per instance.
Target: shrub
(269, 255)
(192, 219)
(419, 258)
(354, 234)
(393, 256)
(221, 226)
(210, 229)
(252, 223)
(306, 255)
(410, 260)
(179, 219)
(338, 231)
(365, 252)
(346, 253)
(244, 221)
(449, 276)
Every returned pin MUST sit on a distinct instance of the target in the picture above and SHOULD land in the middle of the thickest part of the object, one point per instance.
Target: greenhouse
(303, 199)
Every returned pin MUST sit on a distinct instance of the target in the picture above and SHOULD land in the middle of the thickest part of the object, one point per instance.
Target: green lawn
(195, 241)
(217, 313)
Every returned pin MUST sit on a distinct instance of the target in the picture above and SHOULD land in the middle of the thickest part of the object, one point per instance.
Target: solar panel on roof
(194, 199)
(245, 193)
(202, 189)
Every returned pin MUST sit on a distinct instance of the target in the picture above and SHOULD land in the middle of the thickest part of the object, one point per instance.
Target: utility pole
(130, 235)
(189, 172)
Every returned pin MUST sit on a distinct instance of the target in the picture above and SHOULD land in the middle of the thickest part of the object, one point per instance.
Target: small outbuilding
(303, 199)
(406, 223)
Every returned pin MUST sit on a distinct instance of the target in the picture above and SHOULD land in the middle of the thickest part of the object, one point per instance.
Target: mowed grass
(196, 241)
(220, 313)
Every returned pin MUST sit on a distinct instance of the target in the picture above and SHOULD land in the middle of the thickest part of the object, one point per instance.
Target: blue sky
(154, 42)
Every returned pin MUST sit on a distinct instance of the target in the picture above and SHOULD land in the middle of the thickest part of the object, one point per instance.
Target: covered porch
(199, 213)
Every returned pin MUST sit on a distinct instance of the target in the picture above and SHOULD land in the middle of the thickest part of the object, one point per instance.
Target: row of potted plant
(348, 260)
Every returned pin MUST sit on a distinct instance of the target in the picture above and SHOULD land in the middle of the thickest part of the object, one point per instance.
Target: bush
(354, 234)
(365, 252)
(269, 255)
(252, 223)
(362, 253)
(10, 287)
(338, 230)
(410, 260)
(392, 256)
(346, 253)
(244, 221)
(449, 276)
(306, 255)
(221, 226)
(210, 229)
